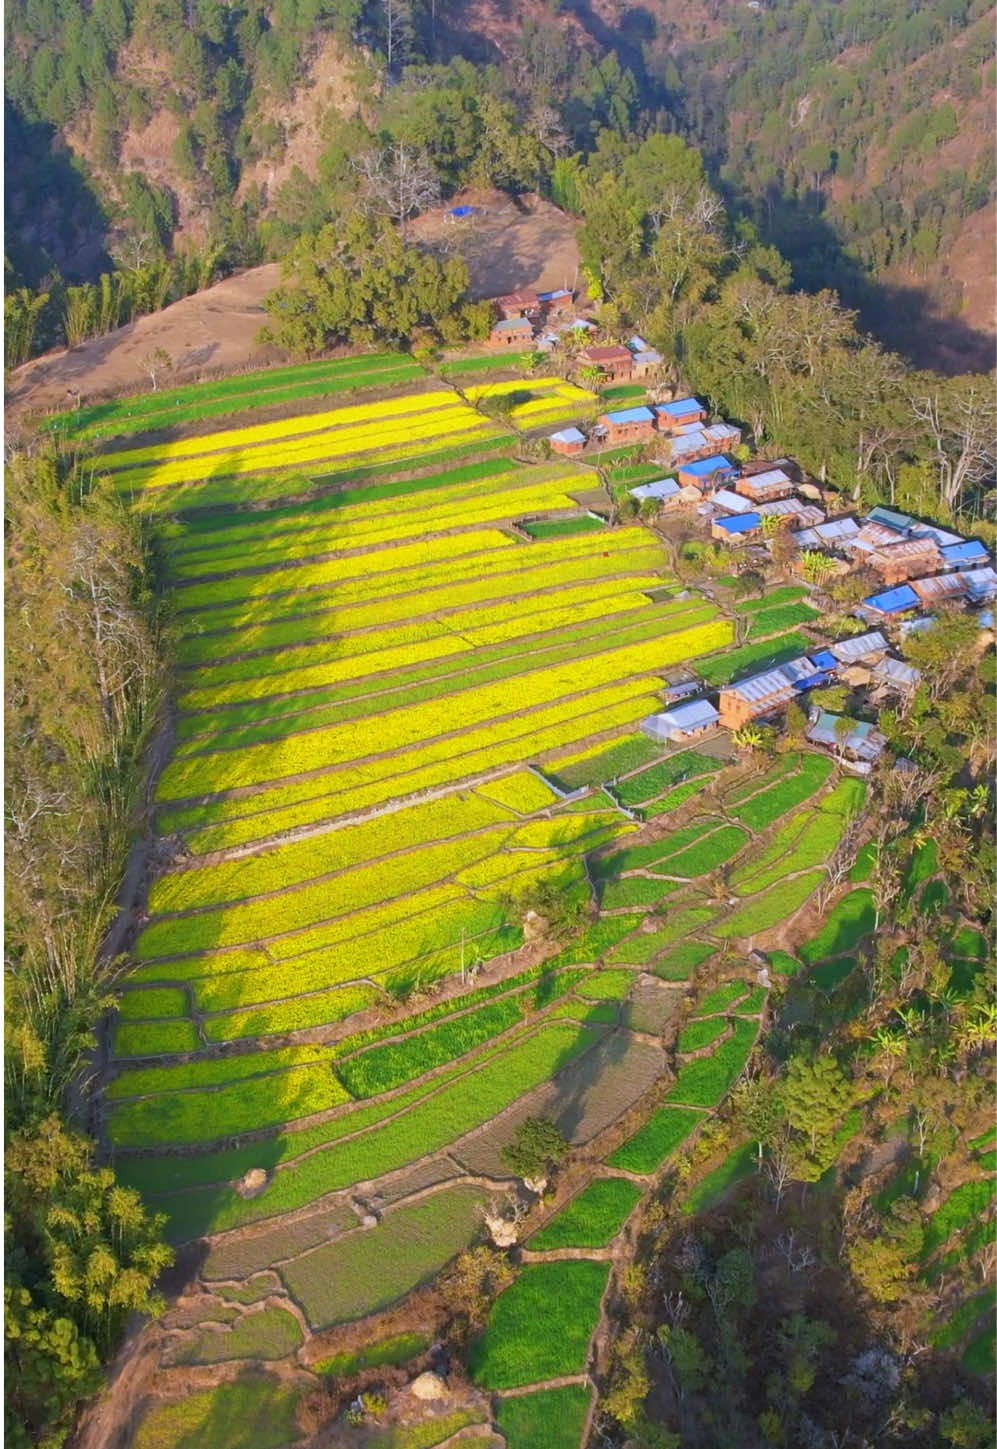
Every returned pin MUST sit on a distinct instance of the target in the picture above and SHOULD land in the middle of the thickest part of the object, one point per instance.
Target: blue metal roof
(894, 601)
(739, 523)
(823, 659)
(568, 435)
(681, 407)
(631, 415)
(554, 296)
(705, 467)
(964, 552)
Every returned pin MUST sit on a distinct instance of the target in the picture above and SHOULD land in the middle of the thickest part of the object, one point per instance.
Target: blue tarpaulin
(462, 211)
(894, 601)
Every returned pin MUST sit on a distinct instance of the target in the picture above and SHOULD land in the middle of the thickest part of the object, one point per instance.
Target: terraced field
(398, 712)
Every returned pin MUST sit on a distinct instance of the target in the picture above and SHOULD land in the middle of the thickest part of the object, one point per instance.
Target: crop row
(804, 841)
(472, 711)
(282, 429)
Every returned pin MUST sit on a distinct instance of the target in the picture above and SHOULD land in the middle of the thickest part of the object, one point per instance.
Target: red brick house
(616, 362)
(628, 425)
(518, 304)
(912, 559)
(511, 332)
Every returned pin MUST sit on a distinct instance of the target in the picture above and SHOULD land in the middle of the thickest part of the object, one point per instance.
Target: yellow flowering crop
(521, 791)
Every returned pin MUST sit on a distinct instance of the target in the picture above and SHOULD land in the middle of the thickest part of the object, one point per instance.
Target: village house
(662, 490)
(895, 674)
(567, 442)
(722, 435)
(966, 554)
(834, 534)
(940, 588)
(791, 512)
(616, 363)
(910, 559)
(705, 473)
(687, 444)
(763, 694)
(683, 722)
(765, 487)
(557, 303)
(856, 743)
(518, 304)
(627, 425)
(646, 363)
(860, 648)
(727, 501)
(736, 528)
(982, 584)
(673, 415)
(511, 333)
(893, 601)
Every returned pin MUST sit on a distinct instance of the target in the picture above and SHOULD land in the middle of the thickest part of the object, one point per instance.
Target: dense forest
(854, 138)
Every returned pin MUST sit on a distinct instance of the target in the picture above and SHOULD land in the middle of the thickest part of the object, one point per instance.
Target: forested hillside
(854, 137)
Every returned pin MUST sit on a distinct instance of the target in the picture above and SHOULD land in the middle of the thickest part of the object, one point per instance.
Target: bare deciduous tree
(398, 182)
(959, 417)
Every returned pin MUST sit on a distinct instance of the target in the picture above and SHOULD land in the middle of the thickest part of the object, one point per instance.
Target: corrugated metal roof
(722, 432)
(773, 684)
(704, 467)
(739, 522)
(942, 586)
(876, 535)
(964, 552)
(526, 298)
(568, 435)
(895, 671)
(893, 601)
(630, 415)
(823, 659)
(648, 358)
(892, 519)
(693, 715)
(982, 582)
(612, 353)
(733, 502)
(863, 739)
(850, 651)
(784, 506)
(663, 488)
(798, 669)
(690, 441)
(941, 536)
(681, 407)
(637, 344)
(769, 478)
(554, 296)
(512, 324)
(907, 548)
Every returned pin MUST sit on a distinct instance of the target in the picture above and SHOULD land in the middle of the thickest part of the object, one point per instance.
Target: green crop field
(592, 1219)
(661, 1134)
(540, 1327)
(251, 1413)
(699, 1034)
(553, 1418)
(703, 1082)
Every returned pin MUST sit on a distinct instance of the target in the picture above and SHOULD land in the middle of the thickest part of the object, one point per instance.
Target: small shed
(893, 601)
(968, 555)
(890, 518)
(682, 410)
(567, 441)
(557, 303)
(707, 472)
(646, 362)
(518, 304)
(510, 333)
(615, 362)
(895, 674)
(731, 502)
(627, 425)
(662, 489)
(636, 343)
(862, 646)
(684, 722)
(722, 435)
(793, 512)
(735, 528)
(982, 584)
(764, 487)
(939, 588)
(861, 741)
(834, 533)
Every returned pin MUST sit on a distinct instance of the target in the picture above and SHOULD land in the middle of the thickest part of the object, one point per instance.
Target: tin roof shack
(707, 472)
(627, 425)
(861, 648)
(911, 559)
(872, 536)
(894, 674)
(557, 303)
(968, 555)
(792, 512)
(940, 588)
(754, 698)
(673, 415)
(567, 442)
(765, 487)
(684, 722)
(834, 534)
(615, 362)
(646, 363)
(722, 435)
(736, 528)
(900, 522)
(725, 500)
(982, 584)
(857, 745)
(518, 304)
(664, 490)
(511, 332)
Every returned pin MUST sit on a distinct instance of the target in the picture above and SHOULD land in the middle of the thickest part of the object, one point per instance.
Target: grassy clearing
(397, 1349)
(592, 1219)
(430, 1432)
(540, 1327)
(271, 1333)
(554, 1418)
(761, 810)
(703, 1083)
(767, 910)
(163, 1001)
(965, 1317)
(969, 1200)
(647, 1149)
(381, 1068)
(979, 1355)
(751, 658)
(789, 594)
(252, 1412)
(741, 1163)
(369, 1269)
(155, 1038)
(678, 965)
(782, 964)
(699, 1034)
(852, 918)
